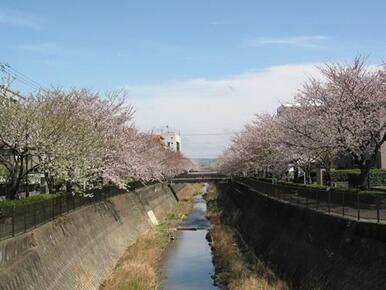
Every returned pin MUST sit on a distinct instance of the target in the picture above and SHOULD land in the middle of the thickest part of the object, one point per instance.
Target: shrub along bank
(29, 200)
(377, 177)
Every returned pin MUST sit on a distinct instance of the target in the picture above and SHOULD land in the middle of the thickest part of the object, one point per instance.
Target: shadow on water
(188, 264)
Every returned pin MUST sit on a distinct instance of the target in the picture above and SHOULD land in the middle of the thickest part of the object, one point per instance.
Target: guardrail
(354, 204)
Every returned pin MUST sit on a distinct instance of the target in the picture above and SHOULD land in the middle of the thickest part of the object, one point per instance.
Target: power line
(7, 69)
(21, 77)
(25, 77)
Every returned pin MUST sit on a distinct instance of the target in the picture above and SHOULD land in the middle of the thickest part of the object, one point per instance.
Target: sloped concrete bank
(79, 249)
(307, 249)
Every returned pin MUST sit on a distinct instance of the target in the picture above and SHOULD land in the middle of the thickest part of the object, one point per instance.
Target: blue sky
(224, 60)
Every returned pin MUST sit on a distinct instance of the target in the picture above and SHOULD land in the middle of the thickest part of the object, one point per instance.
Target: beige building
(382, 153)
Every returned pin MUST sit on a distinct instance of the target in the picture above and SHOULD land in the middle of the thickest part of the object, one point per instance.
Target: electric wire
(21, 77)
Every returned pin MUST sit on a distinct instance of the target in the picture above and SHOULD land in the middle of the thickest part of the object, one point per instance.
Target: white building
(172, 140)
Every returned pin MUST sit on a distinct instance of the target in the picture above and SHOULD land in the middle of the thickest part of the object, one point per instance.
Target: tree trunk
(13, 188)
(68, 186)
(14, 185)
(296, 173)
(363, 180)
(328, 177)
(49, 181)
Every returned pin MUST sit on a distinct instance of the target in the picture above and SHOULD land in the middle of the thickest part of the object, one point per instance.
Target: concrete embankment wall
(79, 249)
(308, 249)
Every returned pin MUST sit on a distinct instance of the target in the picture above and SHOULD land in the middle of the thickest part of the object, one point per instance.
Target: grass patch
(138, 268)
(235, 266)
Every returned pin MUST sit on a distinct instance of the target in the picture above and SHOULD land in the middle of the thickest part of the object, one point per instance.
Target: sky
(202, 67)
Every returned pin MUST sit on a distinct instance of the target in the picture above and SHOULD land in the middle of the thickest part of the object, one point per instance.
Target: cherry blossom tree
(349, 108)
(254, 148)
(15, 140)
(112, 148)
(344, 112)
(305, 137)
(79, 137)
(50, 134)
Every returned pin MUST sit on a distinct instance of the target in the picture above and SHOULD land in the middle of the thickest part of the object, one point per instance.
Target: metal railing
(20, 218)
(353, 204)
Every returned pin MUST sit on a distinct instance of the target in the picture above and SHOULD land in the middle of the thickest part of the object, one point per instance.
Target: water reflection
(196, 218)
(188, 264)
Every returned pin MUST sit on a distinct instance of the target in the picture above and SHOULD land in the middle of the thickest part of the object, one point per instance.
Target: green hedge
(344, 175)
(29, 200)
(377, 177)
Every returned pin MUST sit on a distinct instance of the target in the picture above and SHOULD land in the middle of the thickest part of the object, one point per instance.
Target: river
(188, 263)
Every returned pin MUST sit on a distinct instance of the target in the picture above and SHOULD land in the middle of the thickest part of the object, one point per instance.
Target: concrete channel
(188, 262)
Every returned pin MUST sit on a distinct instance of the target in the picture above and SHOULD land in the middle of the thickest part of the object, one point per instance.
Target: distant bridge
(199, 177)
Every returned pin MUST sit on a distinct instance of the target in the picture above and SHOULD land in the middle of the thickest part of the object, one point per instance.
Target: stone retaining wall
(306, 248)
(80, 249)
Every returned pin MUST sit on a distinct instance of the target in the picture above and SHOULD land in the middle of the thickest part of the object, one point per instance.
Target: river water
(188, 264)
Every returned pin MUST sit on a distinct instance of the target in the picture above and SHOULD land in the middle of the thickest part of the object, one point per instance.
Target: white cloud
(310, 41)
(17, 18)
(215, 105)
